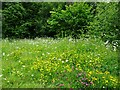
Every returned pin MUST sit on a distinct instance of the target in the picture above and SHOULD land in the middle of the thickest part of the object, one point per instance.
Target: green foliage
(39, 19)
(105, 22)
(58, 63)
(12, 19)
(26, 19)
(71, 21)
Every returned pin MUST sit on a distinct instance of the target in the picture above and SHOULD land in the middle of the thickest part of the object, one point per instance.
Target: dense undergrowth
(59, 63)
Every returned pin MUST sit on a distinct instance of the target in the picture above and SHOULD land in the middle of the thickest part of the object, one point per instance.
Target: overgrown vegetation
(60, 45)
(72, 21)
(105, 22)
(67, 63)
(39, 19)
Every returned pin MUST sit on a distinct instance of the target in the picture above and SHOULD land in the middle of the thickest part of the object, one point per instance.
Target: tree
(27, 19)
(13, 14)
(105, 22)
(71, 21)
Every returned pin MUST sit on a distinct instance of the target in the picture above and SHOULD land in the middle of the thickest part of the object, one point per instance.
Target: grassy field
(58, 63)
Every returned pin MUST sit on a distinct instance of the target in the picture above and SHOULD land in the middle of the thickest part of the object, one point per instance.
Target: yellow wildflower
(78, 65)
(68, 68)
(94, 78)
(90, 72)
(103, 77)
(106, 72)
(90, 64)
(106, 81)
(97, 71)
(111, 77)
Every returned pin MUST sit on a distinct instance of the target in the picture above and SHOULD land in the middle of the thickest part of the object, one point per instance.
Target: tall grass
(58, 63)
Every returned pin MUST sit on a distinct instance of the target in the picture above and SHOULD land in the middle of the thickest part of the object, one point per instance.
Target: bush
(105, 22)
(71, 21)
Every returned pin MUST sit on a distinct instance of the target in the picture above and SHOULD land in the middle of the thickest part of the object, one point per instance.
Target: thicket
(105, 23)
(26, 19)
(40, 19)
(72, 21)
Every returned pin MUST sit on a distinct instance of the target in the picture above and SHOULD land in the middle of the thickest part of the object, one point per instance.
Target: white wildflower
(70, 39)
(32, 75)
(3, 54)
(23, 66)
(8, 55)
(17, 47)
(1, 75)
(4, 78)
(48, 53)
(59, 59)
(106, 42)
(103, 86)
(114, 48)
(66, 60)
(43, 54)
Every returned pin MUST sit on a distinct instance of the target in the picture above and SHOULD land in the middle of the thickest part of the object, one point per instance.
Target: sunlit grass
(55, 63)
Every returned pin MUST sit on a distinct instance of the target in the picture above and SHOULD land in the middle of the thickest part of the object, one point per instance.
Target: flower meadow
(59, 63)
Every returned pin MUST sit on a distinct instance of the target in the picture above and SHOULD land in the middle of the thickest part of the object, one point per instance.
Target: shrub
(71, 21)
(105, 22)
